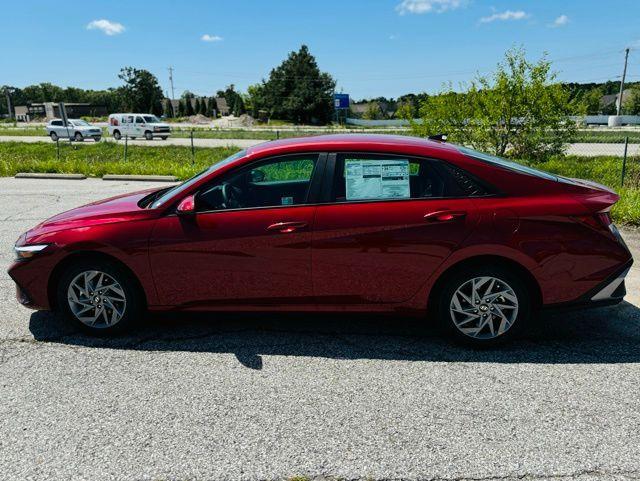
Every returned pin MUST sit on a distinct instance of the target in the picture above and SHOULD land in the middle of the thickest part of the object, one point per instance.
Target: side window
(129, 119)
(56, 123)
(276, 182)
(385, 177)
(139, 120)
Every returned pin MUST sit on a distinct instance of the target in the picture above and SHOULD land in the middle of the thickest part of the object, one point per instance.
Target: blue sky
(372, 47)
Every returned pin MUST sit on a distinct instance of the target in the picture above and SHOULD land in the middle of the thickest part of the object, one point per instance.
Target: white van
(137, 125)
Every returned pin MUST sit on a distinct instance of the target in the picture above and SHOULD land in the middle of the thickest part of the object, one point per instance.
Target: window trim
(315, 182)
(331, 171)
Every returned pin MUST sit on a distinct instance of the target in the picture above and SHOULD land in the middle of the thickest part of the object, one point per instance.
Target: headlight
(28, 251)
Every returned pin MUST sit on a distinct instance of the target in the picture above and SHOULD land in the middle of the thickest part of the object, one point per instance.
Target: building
(50, 110)
(610, 102)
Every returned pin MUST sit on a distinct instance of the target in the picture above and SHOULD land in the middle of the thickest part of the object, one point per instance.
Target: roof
(355, 142)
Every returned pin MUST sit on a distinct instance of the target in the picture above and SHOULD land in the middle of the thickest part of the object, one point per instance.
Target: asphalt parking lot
(253, 397)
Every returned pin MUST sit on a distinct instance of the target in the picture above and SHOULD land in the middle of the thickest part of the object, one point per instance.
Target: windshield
(151, 119)
(193, 180)
(80, 122)
(492, 159)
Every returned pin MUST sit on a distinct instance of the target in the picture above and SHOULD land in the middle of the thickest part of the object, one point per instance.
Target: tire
(78, 137)
(117, 135)
(148, 135)
(97, 139)
(54, 136)
(132, 138)
(164, 137)
(112, 310)
(477, 319)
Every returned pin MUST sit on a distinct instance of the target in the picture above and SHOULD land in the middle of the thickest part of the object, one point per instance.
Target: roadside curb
(148, 178)
(38, 175)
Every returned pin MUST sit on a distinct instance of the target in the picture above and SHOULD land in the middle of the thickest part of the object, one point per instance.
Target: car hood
(120, 208)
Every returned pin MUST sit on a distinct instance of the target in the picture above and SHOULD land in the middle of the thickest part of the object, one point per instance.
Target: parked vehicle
(77, 129)
(137, 125)
(336, 223)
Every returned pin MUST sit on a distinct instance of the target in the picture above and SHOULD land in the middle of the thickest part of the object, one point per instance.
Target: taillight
(597, 220)
(604, 218)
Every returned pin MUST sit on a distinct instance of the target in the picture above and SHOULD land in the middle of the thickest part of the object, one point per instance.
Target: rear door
(388, 223)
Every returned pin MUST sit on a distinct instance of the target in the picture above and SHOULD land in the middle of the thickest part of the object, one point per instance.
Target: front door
(249, 244)
(389, 224)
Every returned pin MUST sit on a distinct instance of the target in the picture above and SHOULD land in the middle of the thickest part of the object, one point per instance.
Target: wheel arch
(80, 256)
(482, 260)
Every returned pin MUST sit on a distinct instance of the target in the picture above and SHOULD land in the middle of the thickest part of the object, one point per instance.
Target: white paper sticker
(377, 179)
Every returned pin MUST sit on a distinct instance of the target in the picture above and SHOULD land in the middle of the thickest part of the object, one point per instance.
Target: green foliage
(234, 100)
(106, 158)
(518, 111)
(182, 109)
(203, 106)
(296, 91)
(373, 112)
(188, 107)
(168, 109)
(141, 91)
(197, 107)
(631, 105)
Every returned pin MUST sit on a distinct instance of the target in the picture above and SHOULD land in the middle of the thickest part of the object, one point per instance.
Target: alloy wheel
(484, 307)
(96, 299)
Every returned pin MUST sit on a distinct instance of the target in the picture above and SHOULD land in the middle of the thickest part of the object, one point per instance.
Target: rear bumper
(609, 292)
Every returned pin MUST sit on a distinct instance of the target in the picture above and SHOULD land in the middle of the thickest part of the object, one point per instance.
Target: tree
(203, 107)
(519, 111)
(590, 101)
(631, 106)
(212, 107)
(196, 109)
(168, 108)
(234, 100)
(181, 108)
(188, 104)
(141, 91)
(296, 90)
(373, 112)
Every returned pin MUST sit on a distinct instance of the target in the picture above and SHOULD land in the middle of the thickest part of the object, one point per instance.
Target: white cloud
(561, 21)
(506, 15)
(108, 27)
(427, 6)
(210, 38)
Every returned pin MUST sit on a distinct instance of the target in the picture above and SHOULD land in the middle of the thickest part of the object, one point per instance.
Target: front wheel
(99, 297)
(164, 137)
(484, 306)
(148, 135)
(78, 137)
(97, 139)
(117, 135)
(54, 136)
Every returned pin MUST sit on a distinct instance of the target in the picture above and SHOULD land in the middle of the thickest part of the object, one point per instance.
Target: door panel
(238, 257)
(384, 251)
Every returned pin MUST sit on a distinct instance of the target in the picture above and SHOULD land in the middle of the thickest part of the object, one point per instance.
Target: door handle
(287, 227)
(444, 215)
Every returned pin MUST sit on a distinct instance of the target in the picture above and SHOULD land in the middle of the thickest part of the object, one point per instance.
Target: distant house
(223, 107)
(50, 110)
(610, 102)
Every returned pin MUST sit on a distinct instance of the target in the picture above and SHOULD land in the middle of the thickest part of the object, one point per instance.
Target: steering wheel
(230, 196)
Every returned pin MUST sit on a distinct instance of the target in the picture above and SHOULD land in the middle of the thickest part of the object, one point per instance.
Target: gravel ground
(253, 397)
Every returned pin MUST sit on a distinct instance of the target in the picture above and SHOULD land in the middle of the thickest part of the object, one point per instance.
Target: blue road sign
(341, 101)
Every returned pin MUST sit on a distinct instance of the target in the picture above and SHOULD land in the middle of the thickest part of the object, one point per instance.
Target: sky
(371, 47)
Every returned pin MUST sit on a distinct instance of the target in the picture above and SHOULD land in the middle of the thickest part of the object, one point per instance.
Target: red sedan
(336, 223)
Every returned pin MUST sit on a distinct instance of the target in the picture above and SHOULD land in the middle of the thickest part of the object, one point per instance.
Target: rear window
(507, 164)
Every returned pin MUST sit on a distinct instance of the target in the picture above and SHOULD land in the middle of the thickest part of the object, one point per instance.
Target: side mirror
(187, 206)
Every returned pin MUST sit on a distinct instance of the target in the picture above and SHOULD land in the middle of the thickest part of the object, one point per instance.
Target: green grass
(97, 159)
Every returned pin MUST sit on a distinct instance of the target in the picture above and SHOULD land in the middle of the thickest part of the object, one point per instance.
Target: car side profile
(345, 223)
(76, 129)
(137, 125)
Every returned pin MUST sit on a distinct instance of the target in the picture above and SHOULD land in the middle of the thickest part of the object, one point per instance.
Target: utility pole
(172, 91)
(8, 94)
(624, 74)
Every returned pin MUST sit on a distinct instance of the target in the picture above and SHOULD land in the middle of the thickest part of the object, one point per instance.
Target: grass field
(97, 159)
(108, 158)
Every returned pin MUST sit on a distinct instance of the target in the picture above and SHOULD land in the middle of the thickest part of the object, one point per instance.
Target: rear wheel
(99, 297)
(484, 306)
(148, 135)
(54, 136)
(117, 135)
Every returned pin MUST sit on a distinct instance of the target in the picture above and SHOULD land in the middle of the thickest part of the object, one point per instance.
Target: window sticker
(377, 179)
(286, 200)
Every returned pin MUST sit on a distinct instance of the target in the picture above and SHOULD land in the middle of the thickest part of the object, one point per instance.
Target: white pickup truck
(77, 129)
(137, 125)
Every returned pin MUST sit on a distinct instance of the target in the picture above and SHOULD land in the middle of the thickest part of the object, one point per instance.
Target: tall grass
(97, 159)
